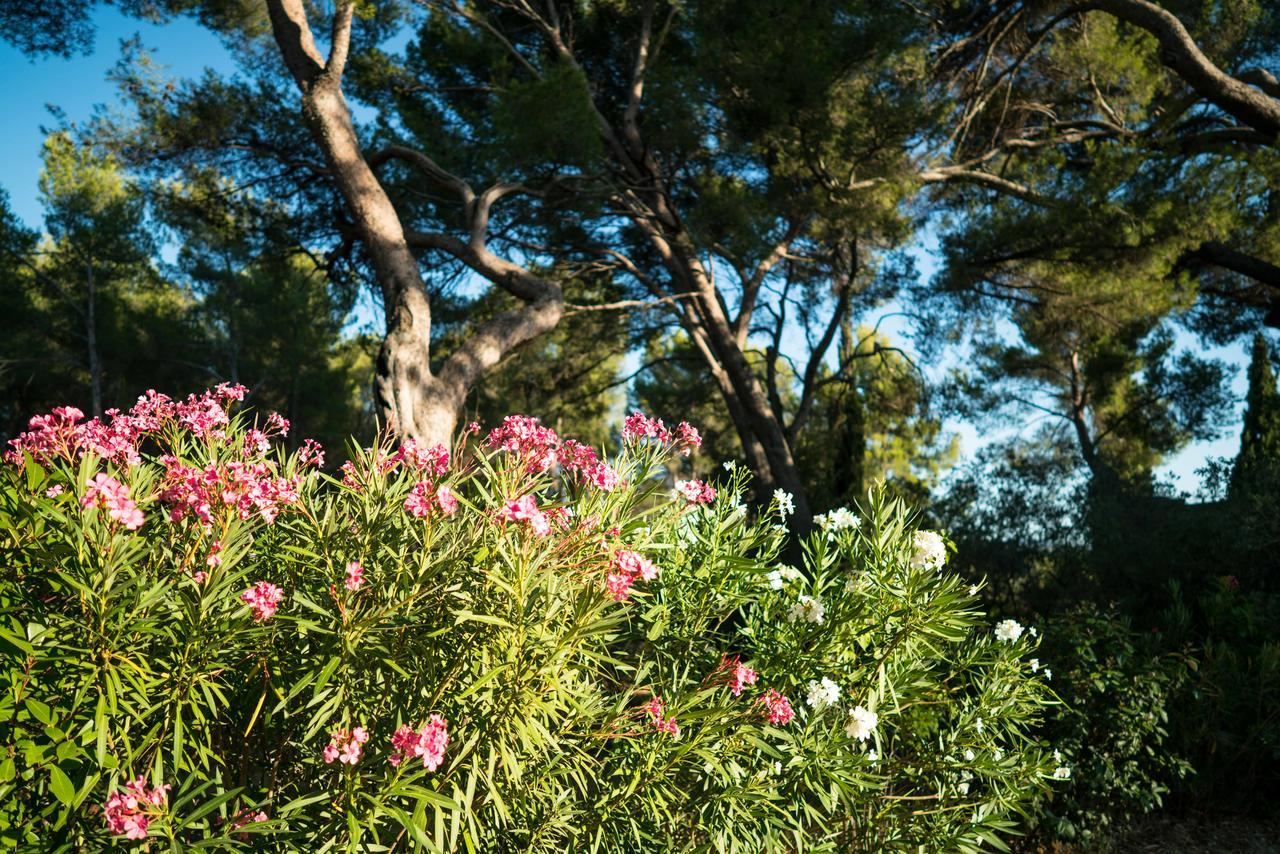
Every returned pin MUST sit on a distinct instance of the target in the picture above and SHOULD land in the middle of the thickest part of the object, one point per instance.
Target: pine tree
(1260, 439)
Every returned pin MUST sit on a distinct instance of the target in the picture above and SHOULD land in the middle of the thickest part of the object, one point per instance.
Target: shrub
(513, 644)
(1117, 687)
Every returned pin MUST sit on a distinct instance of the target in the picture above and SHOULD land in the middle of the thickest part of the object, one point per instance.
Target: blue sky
(79, 84)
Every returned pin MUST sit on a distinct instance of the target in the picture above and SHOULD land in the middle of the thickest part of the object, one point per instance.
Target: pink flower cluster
(624, 569)
(696, 491)
(107, 492)
(658, 719)
(311, 454)
(425, 495)
(246, 487)
(525, 509)
(264, 597)
(736, 674)
(582, 460)
(130, 812)
(345, 747)
(540, 448)
(244, 817)
(536, 445)
(638, 427)
(355, 576)
(61, 435)
(777, 708)
(433, 461)
(428, 743)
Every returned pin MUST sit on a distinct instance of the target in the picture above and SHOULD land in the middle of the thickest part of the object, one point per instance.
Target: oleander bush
(515, 644)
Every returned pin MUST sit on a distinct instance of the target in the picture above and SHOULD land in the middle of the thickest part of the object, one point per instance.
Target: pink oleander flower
(215, 554)
(736, 674)
(129, 812)
(687, 438)
(618, 585)
(696, 491)
(277, 424)
(418, 503)
(107, 492)
(777, 708)
(199, 576)
(350, 476)
(625, 568)
(256, 443)
(658, 719)
(537, 446)
(244, 817)
(429, 743)
(345, 746)
(264, 597)
(577, 458)
(636, 564)
(54, 491)
(447, 501)
(434, 461)
(311, 454)
(525, 509)
(638, 427)
(355, 576)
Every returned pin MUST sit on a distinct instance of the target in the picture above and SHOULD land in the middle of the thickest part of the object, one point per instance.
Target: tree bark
(91, 341)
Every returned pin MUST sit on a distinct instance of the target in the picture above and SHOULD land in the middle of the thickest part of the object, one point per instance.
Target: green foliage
(120, 661)
(1118, 691)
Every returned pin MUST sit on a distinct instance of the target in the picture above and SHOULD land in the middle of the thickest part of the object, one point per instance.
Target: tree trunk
(762, 434)
(91, 339)
(412, 401)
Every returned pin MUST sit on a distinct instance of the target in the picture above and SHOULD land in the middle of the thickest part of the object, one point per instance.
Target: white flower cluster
(823, 694)
(807, 608)
(840, 519)
(930, 551)
(779, 577)
(786, 502)
(861, 723)
(1008, 630)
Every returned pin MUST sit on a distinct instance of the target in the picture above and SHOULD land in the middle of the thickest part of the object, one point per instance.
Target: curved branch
(1183, 56)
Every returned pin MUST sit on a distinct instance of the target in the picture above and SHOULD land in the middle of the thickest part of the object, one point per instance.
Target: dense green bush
(207, 642)
(1117, 688)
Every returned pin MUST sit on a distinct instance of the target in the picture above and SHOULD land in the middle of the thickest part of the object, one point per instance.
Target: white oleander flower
(973, 590)
(822, 694)
(969, 755)
(778, 578)
(978, 725)
(729, 465)
(1048, 674)
(999, 754)
(930, 551)
(777, 767)
(1062, 772)
(872, 755)
(1034, 631)
(840, 519)
(786, 502)
(1008, 630)
(861, 723)
(1035, 665)
(807, 608)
